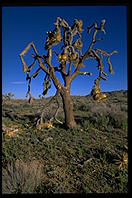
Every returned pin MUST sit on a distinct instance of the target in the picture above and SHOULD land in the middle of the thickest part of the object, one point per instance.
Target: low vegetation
(90, 159)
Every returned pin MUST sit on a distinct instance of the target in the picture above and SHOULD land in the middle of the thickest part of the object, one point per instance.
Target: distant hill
(120, 92)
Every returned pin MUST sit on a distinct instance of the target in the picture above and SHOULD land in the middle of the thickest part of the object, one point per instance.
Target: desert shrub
(78, 106)
(93, 118)
(99, 119)
(118, 120)
(124, 108)
(104, 121)
(83, 107)
(19, 177)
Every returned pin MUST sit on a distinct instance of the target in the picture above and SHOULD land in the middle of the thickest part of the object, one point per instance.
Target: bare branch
(31, 66)
(94, 40)
(56, 113)
(102, 26)
(70, 68)
(40, 121)
(85, 73)
(56, 81)
(35, 73)
(98, 28)
(26, 68)
(54, 37)
(97, 57)
(108, 59)
(110, 65)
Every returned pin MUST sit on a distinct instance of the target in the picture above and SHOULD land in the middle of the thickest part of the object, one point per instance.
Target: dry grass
(19, 177)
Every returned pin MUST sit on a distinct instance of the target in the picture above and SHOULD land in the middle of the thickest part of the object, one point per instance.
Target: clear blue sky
(21, 25)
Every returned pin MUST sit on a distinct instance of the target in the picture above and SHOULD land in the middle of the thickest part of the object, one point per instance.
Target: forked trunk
(68, 109)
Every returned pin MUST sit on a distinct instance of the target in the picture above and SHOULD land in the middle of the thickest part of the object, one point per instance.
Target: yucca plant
(70, 60)
(122, 161)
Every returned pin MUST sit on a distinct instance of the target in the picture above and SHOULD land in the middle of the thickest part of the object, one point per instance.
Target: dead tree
(70, 59)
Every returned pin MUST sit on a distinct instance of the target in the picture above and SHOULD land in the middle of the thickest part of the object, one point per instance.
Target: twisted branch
(40, 120)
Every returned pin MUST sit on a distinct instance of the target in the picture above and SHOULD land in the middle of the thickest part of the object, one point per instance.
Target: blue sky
(21, 25)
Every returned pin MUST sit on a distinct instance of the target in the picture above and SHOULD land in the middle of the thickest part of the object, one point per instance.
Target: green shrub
(104, 121)
(118, 121)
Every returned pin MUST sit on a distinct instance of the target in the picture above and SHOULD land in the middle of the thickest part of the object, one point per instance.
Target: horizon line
(70, 95)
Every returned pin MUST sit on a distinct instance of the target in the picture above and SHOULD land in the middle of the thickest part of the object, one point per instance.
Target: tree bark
(68, 108)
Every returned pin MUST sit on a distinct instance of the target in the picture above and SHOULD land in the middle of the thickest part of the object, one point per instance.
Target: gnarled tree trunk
(68, 108)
